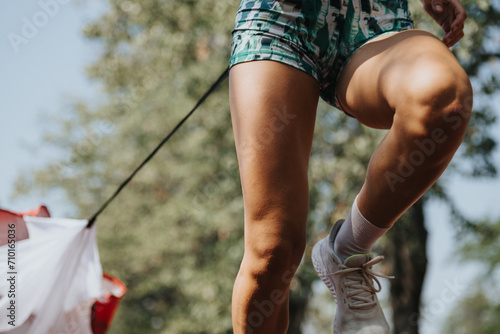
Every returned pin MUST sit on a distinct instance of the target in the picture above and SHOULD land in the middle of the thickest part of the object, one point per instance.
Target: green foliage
(174, 235)
(477, 313)
(484, 245)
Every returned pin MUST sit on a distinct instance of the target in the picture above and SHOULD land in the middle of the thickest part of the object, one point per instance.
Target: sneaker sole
(320, 252)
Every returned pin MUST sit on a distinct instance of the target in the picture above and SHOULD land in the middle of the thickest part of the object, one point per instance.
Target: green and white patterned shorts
(316, 36)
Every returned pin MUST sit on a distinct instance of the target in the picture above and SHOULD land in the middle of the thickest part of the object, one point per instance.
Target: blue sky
(49, 69)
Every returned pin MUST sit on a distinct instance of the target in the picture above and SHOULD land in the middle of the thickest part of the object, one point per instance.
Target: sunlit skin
(416, 89)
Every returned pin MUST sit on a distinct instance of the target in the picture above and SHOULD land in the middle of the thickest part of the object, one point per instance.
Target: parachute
(51, 279)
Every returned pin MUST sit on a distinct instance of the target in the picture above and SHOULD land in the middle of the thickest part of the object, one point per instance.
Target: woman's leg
(273, 110)
(411, 84)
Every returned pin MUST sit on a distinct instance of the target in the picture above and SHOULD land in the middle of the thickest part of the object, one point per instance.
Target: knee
(274, 258)
(275, 232)
(437, 98)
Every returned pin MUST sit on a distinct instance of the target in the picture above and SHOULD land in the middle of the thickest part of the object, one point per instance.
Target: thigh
(273, 110)
(382, 74)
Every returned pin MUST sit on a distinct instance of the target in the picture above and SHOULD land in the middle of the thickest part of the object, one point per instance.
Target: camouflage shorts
(316, 36)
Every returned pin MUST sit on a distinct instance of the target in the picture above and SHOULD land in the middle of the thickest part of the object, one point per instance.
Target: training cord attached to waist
(124, 183)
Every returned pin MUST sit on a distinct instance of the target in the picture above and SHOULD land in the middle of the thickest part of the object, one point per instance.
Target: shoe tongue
(357, 260)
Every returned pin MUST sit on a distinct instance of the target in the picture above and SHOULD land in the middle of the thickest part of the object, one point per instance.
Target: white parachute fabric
(50, 278)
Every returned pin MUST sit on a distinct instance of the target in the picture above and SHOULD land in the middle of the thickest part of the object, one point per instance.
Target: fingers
(455, 34)
(450, 15)
(446, 24)
(460, 17)
(453, 22)
(454, 40)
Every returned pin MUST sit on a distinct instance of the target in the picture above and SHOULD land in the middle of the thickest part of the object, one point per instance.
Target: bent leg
(273, 110)
(411, 84)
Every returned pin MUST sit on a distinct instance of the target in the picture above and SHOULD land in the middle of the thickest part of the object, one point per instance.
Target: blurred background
(91, 87)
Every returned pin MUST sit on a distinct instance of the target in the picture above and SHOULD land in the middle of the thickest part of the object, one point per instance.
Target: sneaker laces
(361, 294)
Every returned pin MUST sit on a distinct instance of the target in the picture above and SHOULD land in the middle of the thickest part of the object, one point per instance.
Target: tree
(175, 234)
(479, 311)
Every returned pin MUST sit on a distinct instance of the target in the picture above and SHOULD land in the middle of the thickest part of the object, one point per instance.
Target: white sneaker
(351, 283)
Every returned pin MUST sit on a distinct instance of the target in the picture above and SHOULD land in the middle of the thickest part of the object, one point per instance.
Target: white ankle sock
(356, 235)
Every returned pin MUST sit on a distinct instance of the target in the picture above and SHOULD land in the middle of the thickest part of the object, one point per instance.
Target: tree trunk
(407, 252)
(298, 306)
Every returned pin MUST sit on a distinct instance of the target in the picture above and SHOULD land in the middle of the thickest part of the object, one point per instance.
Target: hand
(450, 15)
